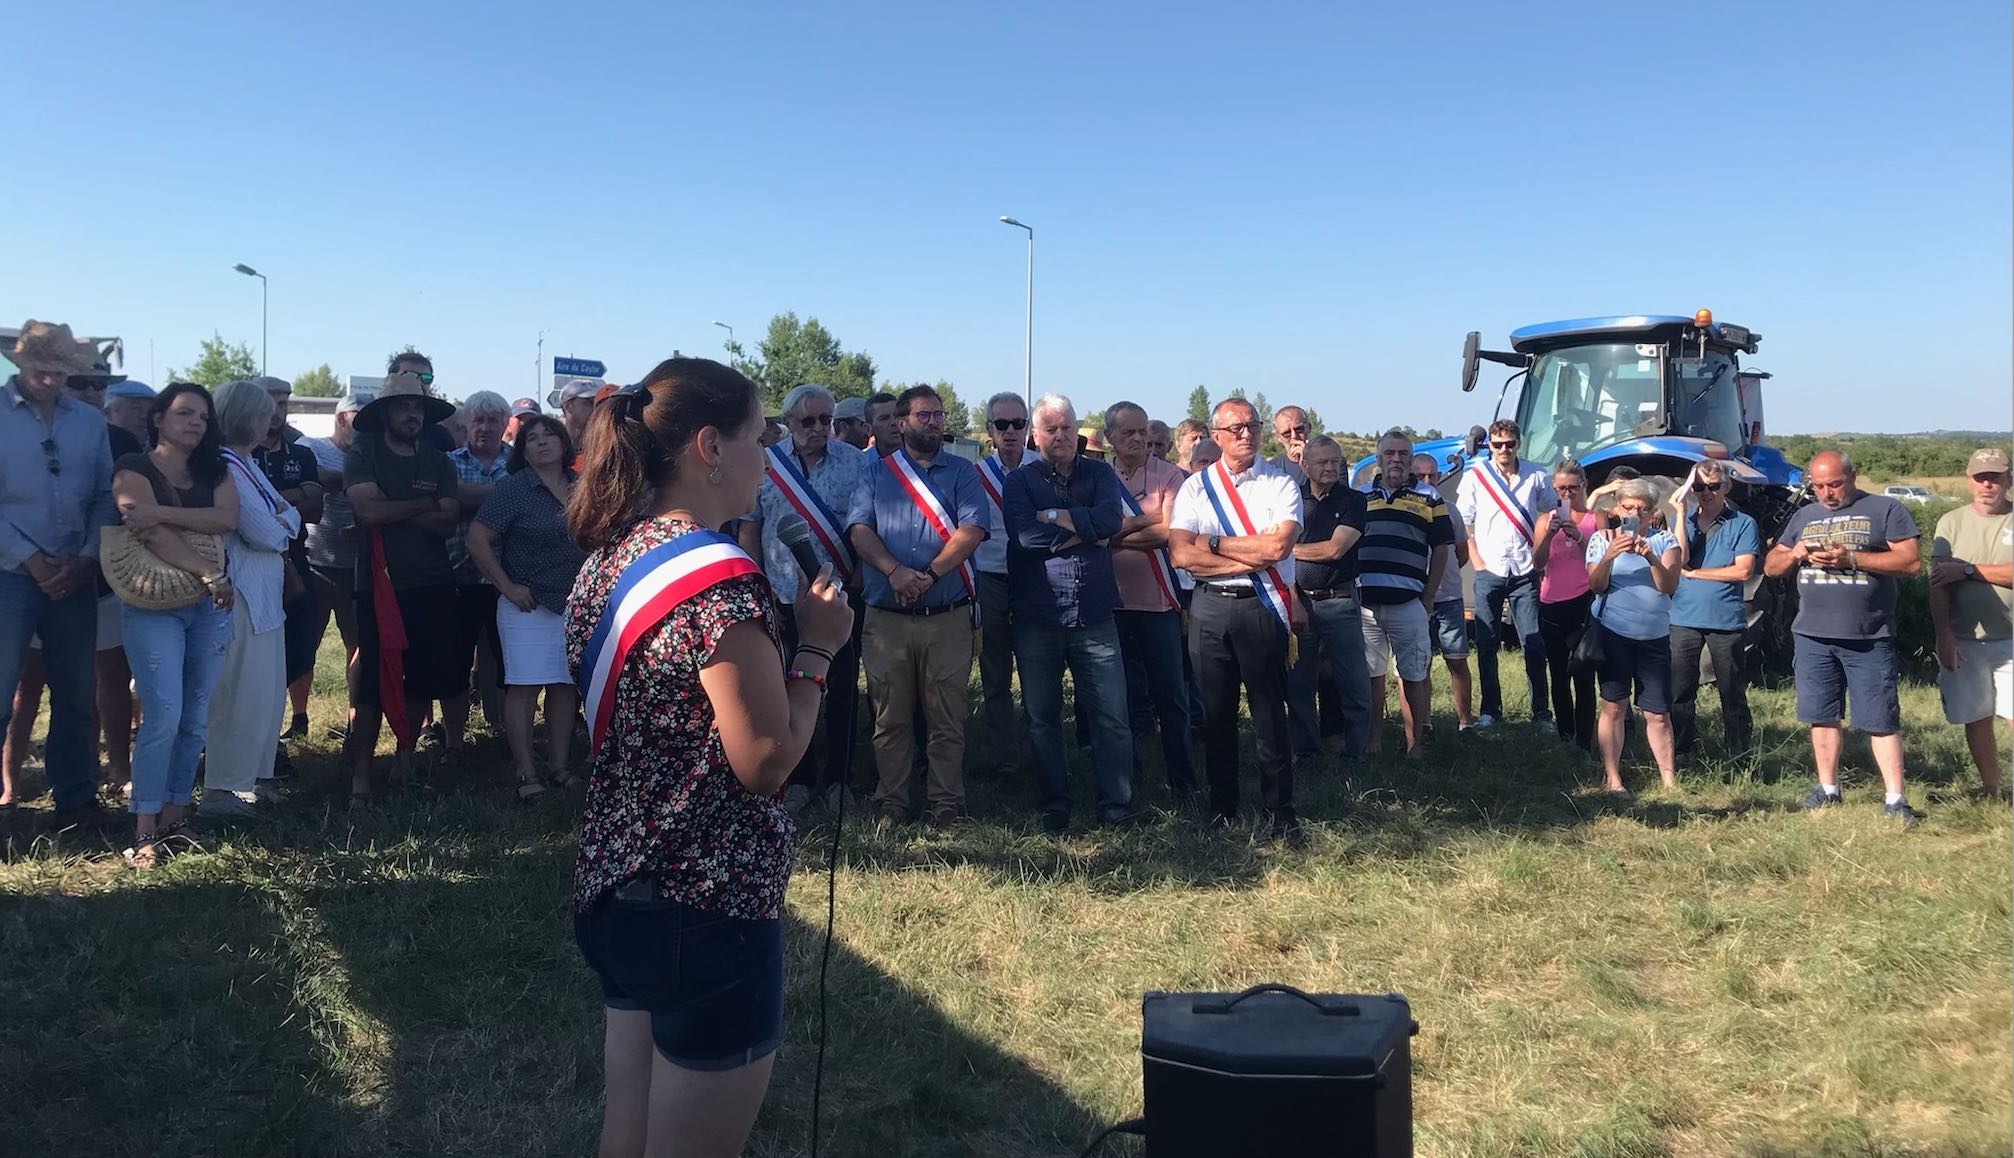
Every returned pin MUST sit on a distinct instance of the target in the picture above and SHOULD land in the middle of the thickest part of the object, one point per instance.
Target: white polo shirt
(1271, 497)
(1499, 545)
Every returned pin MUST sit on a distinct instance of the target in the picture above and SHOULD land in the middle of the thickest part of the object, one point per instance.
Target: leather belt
(1228, 591)
(1317, 595)
(922, 611)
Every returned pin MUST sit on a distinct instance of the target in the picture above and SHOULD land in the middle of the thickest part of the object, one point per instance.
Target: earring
(714, 478)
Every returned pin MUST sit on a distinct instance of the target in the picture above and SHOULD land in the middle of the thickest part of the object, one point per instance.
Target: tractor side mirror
(1471, 359)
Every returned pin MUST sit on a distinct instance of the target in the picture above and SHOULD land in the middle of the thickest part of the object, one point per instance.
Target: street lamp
(730, 332)
(1028, 351)
(248, 271)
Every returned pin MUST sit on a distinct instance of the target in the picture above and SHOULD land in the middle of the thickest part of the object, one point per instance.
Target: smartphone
(1631, 524)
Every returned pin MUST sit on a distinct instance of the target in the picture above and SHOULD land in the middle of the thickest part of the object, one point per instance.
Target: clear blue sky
(1305, 199)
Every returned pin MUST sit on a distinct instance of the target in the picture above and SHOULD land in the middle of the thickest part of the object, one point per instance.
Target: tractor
(1655, 393)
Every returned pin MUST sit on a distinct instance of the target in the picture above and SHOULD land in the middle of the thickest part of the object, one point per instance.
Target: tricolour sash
(1499, 491)
(654, 583)
(1232, 515)
(993, 480)
(1164, 571)
(796, 490)
(933, 512)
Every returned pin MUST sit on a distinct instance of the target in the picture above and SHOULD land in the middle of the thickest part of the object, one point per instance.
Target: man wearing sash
(1150, 610)
(813, 476)
(1234, 528)
(1007, 421)
(914, 524)
(1061, 509)
(1507, 504)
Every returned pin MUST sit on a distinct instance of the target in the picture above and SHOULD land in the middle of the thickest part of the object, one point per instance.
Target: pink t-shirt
(1153, 486)
(1565, 567)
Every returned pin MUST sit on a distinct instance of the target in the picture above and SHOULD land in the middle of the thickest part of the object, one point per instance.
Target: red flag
(391, 644)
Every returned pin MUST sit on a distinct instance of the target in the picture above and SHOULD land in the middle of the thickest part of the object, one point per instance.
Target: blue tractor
(1655, 393)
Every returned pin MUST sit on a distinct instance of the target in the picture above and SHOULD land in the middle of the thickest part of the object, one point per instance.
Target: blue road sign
(578, 368)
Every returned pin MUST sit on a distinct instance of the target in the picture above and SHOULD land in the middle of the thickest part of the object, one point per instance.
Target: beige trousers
(910, 658)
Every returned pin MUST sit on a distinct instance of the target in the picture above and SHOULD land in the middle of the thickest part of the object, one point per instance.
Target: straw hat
(371, 418)
(49, 346)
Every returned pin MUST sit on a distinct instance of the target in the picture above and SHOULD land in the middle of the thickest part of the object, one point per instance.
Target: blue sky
(1305, 199)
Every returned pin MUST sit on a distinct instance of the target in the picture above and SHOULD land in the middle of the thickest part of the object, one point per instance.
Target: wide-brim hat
(51, 346)
(371, 419)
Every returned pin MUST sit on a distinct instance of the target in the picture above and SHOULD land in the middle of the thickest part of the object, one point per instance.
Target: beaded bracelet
(796, 674)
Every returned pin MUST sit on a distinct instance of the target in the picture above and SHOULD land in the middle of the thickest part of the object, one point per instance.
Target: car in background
(1916, 495)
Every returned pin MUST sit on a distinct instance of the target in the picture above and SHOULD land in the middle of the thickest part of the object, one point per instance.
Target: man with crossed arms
(1234, 528)
(915, 522)
(1507, 504)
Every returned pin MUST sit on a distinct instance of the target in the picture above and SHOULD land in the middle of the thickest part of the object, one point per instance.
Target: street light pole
(248, 271)
(730, 332)
(1028, 349)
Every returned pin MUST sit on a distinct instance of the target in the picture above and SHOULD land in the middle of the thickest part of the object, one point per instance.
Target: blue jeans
(69, 631)
(1156, 688)
(1332, 644)
(1521, 592)
(176, 657)
(1041, 650)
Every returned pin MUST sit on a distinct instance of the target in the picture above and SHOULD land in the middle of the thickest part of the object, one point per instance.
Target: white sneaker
(1484, 721)
(218, 802)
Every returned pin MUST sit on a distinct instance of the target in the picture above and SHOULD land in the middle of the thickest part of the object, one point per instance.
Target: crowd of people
(701, 586)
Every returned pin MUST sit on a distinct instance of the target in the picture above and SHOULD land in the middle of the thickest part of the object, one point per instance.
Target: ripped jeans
(176, 657)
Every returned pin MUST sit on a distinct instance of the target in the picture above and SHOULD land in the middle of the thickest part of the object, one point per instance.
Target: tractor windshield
(1708, 403)
(1582, 397)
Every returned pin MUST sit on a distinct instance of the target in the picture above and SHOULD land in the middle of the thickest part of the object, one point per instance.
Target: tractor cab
(1606, 390)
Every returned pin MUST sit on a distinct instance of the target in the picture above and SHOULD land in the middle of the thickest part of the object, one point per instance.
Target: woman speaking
(695, 719)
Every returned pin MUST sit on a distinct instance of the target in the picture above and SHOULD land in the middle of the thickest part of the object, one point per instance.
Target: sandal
(144, 854)
(531, 789)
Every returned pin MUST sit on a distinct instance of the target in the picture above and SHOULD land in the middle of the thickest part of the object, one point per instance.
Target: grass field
(1708, 973)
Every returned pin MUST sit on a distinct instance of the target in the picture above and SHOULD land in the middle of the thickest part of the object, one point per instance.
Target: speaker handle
(1338, 1009)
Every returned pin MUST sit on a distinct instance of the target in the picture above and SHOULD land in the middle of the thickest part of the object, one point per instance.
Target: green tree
(221, 362)
(1432, 432)
(1199, 404)
(319, 382)
(794, 352)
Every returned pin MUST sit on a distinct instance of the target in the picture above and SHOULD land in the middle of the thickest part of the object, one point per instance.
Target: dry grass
(1705, 974)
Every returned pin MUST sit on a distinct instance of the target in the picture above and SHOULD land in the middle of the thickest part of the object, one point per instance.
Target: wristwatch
(1971, 570)
(1214, 540)
(1049, 516)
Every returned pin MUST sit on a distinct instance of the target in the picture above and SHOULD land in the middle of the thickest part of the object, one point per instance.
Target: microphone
(795, 534)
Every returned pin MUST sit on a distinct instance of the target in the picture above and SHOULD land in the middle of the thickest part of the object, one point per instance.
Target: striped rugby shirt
(1400, 533)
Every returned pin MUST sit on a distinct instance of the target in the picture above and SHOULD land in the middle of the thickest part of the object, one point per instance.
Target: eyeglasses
(926, 416)
(1006, 424)
(814, 421)
(1496, 444)
(49, 454)
(1241, 430)
(1567, 488)
(93, 385)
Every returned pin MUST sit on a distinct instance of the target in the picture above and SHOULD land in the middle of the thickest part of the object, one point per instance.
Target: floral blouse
(662, 799)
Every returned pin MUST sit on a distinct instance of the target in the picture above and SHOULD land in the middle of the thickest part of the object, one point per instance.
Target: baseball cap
(851, 408)
(524, 406)
(1987, 460)
(575, 388)
(130, 388)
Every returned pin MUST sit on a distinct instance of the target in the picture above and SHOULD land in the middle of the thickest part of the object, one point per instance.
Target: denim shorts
(1639, 665)
(712, 984)
(1833, 672)
(1451, 629)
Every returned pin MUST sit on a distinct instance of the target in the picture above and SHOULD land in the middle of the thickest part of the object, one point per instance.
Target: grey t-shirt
(1845, 604)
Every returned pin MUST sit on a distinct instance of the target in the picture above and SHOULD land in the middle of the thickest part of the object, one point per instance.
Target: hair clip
(633, 398)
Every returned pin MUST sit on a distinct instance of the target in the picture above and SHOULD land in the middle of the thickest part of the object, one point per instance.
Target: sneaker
(1484, 721)
(947, 817)
(269, 792)
(1543, 721)
(1901, 811)
(340, 733)
(1819, 798)
(221, 803)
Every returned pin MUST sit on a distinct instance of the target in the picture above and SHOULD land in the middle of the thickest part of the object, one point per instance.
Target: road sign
(578, 368)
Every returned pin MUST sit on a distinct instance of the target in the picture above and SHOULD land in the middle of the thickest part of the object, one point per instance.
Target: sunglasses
(1702, 487)
(426, 377)
(814, 421)
(91, 385)
(1006, 424)
(49, 455)
(1510, 445)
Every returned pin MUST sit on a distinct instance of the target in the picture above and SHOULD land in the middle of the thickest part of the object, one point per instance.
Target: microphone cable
(825, 957)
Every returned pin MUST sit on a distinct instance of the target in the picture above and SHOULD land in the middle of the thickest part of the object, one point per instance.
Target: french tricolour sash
(993, 480)
(1232, 515)
(654, 583)
(933, 512)
(1493, 484)
(1164, 571)
(796, 490)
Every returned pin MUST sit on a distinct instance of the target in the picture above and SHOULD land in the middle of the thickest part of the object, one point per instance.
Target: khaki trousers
(910, 658)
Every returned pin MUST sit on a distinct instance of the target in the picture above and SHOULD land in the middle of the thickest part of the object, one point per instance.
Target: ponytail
(636, 437)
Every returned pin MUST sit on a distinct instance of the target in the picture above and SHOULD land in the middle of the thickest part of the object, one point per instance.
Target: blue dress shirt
(883, 506)
(1066, 586)
(55, 479)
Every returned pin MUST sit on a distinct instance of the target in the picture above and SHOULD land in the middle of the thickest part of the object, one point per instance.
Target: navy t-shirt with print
(1847, 604)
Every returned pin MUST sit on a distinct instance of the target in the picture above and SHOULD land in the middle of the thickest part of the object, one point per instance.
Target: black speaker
(1275, 1071)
